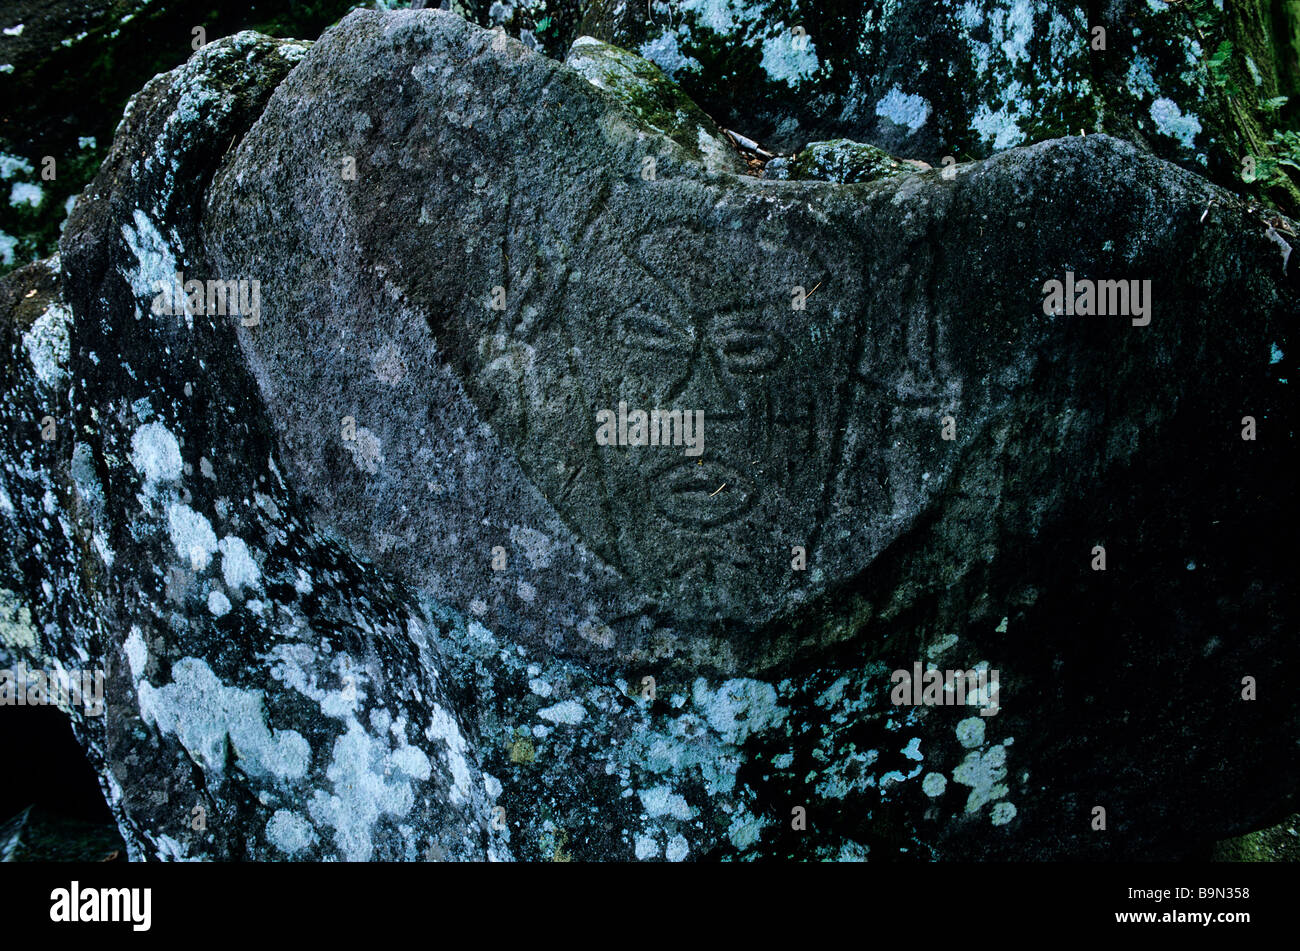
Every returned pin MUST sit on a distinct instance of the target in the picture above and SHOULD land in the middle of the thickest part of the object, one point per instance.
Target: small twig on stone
(749, 145)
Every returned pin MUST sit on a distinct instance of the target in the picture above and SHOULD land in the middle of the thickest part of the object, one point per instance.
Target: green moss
(1280, 843)
(648, 94)
(1250, 49)
(522, 751)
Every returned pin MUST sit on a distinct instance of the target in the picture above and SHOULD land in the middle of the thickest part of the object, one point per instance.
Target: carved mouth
(703, 494)
(749, 350)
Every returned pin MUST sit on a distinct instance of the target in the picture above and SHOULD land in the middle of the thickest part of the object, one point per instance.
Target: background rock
(66, 71)
(928, 78)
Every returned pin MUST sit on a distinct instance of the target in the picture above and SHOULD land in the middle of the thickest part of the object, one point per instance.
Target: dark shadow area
(51, 807)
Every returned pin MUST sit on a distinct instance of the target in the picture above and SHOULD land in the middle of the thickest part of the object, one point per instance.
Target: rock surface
(278, 534)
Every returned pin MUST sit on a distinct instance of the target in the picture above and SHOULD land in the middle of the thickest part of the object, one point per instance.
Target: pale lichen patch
(46, 343)
(205, 715)
(16, 628)
(192, 536)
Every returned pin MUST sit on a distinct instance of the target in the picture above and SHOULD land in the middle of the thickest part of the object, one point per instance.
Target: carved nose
(709, 389)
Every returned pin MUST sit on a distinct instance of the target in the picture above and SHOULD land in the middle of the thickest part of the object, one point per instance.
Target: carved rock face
(711, 527)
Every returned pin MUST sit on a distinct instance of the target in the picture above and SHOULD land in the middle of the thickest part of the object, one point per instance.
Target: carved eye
(749, 349)
(652, 332)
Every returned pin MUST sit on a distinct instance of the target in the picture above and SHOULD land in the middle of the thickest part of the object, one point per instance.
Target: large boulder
(368, 585)
(438, 385)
